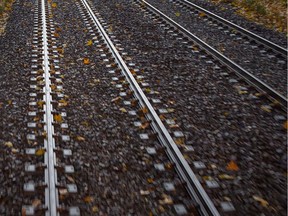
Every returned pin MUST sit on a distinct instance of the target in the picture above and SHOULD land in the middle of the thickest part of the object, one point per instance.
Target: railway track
(46, 123)
(193, 186)
(251, 55)
(224, 207)
(240, 71)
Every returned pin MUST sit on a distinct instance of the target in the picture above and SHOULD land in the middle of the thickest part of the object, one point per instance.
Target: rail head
(193, 185)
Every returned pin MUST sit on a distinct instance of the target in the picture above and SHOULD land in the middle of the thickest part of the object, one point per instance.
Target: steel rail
(275, 47)
(193, 185)
(51, 195)
(248, 77)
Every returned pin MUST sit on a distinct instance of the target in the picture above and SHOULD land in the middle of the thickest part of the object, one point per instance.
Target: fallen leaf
(63, 103)
(89, 43)
(58, 118)
(94, 209)
(263, 202)
(150, 180)
(202, 14)
(80, 138)
(226, 177)
(40, 104)
(166, 200)
(88, 199)
(8, 144)
(232, 166)
(63, 191)
(54, 5)
(14, 150)
(40, 152)
(70, 179)
(144, 125)
(116, 100)
(177, 14)
(266, 108)
(123, 110)
(36, 203)
(86, 61)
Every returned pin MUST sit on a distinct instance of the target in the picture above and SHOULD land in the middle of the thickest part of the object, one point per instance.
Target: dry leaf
(63, 103)
(54, 5)
(150, 180)
(40, 104)
(40, 152)
(58, 118)
(226, 177)
(89, 43)
(8, 144)
(86, 61)
(88, 199)
(70, 179)
(116, 100)
(36, 203)
(80, 139)
(263, 202)
(23, 211)
(266, 108)
(177, 14)
(94, 209)
(144, 125)
(166, 200)
(14, 150)
(123, 110)
(202, 14)
(232, 166)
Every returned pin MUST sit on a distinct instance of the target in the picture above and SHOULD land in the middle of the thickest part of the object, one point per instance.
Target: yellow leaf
(150, 180)
(8, 144)
(86, 61)
(58, 118)
(123, 110)
(88, 199)
(40, 104)
(202, 14)
(63, 103)
(80, 139)
(266, 108)
(242, 92)
(226, 177)
(53, 87)
(14, 150)
(94, 209)
(40, 152)
(177, 14)
(263, 202)
(89, 43)
(232, 166)
(54, 5)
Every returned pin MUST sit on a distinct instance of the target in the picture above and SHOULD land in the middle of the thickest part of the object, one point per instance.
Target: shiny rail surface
(193, 185)
(275, 47)
(241, 72)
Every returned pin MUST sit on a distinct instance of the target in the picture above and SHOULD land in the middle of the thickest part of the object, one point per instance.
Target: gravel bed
(228, 12)
(264, 65)
(15, 65)
(222, 118)
(113, 171)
